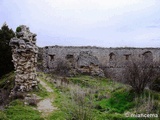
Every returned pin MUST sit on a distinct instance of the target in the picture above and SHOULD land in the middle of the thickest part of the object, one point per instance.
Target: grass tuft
(18, 111)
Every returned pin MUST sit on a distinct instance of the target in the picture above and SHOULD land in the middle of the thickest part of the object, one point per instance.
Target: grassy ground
(94, 98)
(18, 111)
(86, 98)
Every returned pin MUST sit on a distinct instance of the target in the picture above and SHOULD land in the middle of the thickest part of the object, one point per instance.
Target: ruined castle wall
(108, 57)
(24, 54)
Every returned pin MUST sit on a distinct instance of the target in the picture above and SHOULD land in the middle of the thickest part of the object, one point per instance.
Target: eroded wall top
(24, 54)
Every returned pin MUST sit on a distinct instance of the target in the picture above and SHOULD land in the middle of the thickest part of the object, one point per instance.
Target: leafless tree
(140, 73)
(63, 67)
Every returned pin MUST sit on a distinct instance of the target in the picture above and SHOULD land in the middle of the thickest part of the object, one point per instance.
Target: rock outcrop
(89, 64)
(24, 54)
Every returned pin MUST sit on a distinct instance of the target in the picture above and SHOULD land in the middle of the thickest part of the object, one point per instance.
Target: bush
(18, 29)
(80, 106)
(3, 116)
(62, 68)
(155, 85)
(140, 73)
(6, 64)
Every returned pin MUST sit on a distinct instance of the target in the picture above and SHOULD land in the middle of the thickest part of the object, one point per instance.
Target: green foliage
(115, 116)
(88, 81)
(18, 111)
(83, 82)
(18, 29)
(3, 116)
(7, 81)
(6, 85)
(79, 100)
(6, 64)
(57, 115)
(120, 101)
(41, 91)
(93, 99)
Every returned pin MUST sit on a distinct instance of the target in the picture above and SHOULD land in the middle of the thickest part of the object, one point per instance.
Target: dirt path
(46, 86)
(45, 106)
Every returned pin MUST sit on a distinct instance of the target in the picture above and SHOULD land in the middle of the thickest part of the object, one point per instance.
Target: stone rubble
(24, 54)
(87, 63)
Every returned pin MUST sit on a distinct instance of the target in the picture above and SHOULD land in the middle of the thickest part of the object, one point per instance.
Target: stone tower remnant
(24, 54)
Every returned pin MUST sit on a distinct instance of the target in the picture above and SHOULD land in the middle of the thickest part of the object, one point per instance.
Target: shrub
(62, 68)
(155, 85)
(80, 106)
(18, 29)
(139, 74)
(6, 64)
(3, 116)
(147, 103)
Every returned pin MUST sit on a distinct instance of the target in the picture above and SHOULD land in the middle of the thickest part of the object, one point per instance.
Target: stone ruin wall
(24, 54)
(110, 58)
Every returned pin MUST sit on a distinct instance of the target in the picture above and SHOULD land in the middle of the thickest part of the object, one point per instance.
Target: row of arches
(145, 56)
(112, 56)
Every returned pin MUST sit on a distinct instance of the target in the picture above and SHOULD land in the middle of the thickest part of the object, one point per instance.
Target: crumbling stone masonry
(24, 54)
(87, 59)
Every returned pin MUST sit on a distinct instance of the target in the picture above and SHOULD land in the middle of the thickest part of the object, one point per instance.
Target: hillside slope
(80, 98)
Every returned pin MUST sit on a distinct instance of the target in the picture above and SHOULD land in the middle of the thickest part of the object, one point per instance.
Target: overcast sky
(105, 23)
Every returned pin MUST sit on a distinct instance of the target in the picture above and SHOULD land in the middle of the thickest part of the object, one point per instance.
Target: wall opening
(127, 56)
(51, 57)
(112, 56)
(69, 56)
(147, 56)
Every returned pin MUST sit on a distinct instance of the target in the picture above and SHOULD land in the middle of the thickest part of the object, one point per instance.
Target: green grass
(18, 111)
(114, 116)
(7, 81)
(88, 81)
(57, 115)
(109, 100)
(119, 102)
(116, 91)
(3, 116)
(41, 91)
(58, 100)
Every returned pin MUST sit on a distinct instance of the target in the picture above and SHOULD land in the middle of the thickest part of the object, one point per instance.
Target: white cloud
(85, 22)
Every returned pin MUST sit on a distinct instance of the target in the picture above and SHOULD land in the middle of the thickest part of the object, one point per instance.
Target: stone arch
(148, 56)
(112, 56)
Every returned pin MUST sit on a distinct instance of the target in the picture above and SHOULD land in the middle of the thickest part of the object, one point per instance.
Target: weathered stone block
(24, 54)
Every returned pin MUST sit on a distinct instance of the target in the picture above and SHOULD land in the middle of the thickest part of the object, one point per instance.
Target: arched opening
(147, 56)
(112, 56)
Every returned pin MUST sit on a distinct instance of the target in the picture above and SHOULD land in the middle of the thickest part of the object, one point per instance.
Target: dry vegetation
(86, 98)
